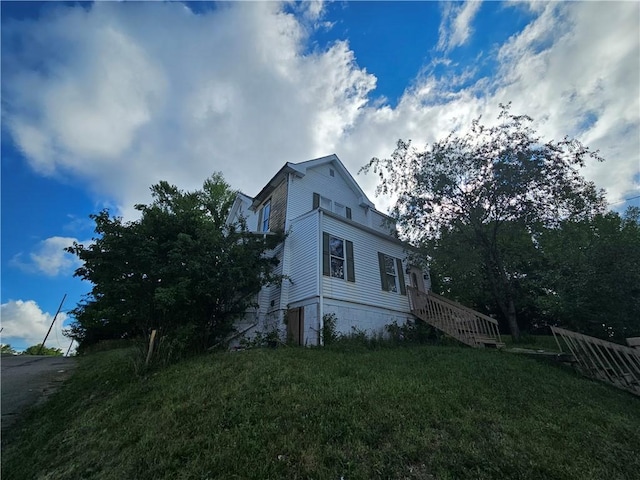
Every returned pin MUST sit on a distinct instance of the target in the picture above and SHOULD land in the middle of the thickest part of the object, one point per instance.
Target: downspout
(320, 295)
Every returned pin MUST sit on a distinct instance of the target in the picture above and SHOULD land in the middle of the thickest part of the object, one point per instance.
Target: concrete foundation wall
(371, 320)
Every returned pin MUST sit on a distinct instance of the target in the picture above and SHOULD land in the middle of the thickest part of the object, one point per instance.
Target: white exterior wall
(303, 261)
(318, 180)
(241, 208)
(311, 324)
(367, 289)
(336, 188)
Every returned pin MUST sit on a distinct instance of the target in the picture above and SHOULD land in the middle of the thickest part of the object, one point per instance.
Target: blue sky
(99, 101)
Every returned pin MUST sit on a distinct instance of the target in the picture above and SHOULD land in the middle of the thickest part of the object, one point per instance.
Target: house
(341, 256)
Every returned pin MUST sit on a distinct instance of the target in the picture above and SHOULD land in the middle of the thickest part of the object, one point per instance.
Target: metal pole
(51, 326)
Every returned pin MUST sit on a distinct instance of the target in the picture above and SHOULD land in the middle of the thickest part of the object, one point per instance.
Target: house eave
(276, 180)
(370, 230)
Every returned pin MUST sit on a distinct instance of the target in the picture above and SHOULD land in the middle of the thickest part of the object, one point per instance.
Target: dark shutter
(351, 274)
(383, 272)
(403, 288)
(259, 229)
(325, 254)
(348, 213)
(316, 200)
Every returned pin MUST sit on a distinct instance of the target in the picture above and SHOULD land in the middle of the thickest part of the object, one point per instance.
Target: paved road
(27, 379)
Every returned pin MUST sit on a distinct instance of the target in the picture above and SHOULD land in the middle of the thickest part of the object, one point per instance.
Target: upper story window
(391, 274)
(337, 261)
(330, 205)
(263, 217)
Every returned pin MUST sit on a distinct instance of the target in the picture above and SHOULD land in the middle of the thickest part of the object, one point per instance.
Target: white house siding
(367, 289)
(302, 243)
(335, 188)
(241, 208)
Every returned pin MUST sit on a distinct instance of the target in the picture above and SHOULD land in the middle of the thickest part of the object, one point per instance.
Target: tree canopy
(35, 350)
(491, 190)
(7, 349)
(180, 268)
(592, 275)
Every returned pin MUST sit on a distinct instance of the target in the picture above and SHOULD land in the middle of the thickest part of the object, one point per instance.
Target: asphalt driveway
(29, 379)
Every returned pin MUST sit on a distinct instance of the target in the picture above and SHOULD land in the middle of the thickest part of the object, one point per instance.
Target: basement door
(295, 325)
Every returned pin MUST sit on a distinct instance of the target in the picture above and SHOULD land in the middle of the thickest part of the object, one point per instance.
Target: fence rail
(466, 325)
(603, 360)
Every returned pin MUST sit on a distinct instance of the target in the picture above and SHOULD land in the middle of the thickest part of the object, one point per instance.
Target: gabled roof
(300, 170)
(237, 203)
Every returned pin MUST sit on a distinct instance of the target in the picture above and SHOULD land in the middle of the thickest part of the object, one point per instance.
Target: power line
(622, 201)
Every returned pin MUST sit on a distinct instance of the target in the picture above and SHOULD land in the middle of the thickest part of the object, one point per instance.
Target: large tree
(179, 268)
(491, 184)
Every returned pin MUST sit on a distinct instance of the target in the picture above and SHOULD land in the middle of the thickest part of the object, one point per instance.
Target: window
(390, 272)
(391, 275)
(330, 205)
(336, 251)
(263, 217)
(337, 258)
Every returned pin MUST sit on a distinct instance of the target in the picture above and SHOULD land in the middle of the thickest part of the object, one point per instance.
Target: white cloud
(49, 257)
(575, 69)
(23, 322)
(455, 27)
(233, 89)
(128, 105)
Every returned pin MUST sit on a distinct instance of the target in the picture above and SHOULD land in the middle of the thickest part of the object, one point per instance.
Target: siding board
(318, 181)
(303, 270)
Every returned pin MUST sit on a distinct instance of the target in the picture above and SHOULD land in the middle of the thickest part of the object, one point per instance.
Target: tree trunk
(513, 324)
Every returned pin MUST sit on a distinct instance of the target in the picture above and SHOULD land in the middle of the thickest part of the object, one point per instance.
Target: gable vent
(332, 173)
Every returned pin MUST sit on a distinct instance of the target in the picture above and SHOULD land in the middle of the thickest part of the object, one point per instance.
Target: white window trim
(396, 284)
(343, 258)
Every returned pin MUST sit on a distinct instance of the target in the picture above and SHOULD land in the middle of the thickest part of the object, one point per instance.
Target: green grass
(534, 342)
(412, 413)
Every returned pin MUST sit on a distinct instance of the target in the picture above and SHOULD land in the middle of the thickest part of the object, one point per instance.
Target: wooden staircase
(464, 324)
(602, 360)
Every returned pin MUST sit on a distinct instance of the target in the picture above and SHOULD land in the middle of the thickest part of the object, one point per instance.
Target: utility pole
(69, 349)
(51, 326)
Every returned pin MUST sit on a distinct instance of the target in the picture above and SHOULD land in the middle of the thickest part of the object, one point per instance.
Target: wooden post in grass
(153, 337)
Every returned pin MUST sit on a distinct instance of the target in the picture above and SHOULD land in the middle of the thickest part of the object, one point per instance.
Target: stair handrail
(441, 310)
(616, 364)
(463, 307)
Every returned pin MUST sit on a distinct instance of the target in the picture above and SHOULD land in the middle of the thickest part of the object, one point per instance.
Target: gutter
(319, 276)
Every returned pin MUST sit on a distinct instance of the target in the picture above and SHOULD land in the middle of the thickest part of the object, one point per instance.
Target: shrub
(329, 333)
(416, 332)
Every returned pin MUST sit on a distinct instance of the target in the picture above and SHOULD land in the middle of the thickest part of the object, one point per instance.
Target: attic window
(332, 173)
(330, 205)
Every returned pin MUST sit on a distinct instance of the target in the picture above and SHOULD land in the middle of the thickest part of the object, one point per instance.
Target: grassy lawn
(420, 412)
(533, 342)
